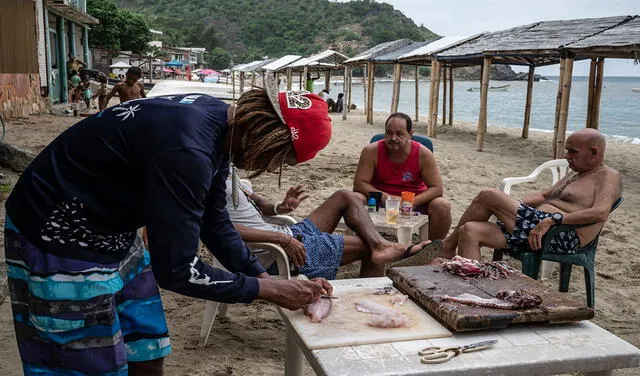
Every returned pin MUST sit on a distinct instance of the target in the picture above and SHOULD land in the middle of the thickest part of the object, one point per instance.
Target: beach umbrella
(209, 72)
(167, 70)
(120, 64)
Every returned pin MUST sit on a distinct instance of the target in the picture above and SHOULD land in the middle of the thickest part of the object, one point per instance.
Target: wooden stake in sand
(417, 86)
(597, 94)
(484, 90)
(527, 106)
(370, 71)
(346, 91)
(590, 90)
(347, 95)
(564, 107)
(444, 94)
(432, 80)
(395, 95)
(558, 101)
(451, 95)
(436, 92)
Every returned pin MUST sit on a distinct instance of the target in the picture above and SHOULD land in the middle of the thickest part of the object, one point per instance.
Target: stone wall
(20, 95)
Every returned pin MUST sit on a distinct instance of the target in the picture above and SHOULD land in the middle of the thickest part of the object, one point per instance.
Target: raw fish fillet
(398, 300)
(382, 317)
(477, 301)
(318, 310)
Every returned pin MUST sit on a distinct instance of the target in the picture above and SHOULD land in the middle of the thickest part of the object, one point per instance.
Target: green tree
(119, 29)
(218, 58)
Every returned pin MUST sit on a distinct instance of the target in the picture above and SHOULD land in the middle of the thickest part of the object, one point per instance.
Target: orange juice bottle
(406, 203)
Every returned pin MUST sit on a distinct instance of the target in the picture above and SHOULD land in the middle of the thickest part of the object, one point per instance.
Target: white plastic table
(405, 228)
(521, 350)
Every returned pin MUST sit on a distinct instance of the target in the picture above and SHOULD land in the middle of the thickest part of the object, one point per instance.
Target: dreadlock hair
(266, 140)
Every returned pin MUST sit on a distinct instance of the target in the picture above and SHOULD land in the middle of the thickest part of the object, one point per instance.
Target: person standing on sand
(74, 64)
(83, 287)
(308, 85)
(128, 89)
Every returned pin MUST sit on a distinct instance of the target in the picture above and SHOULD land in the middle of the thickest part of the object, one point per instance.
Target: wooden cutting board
(426, 284)
(345, 326)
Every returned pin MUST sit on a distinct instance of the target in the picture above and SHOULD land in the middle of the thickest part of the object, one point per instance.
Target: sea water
(619, 105)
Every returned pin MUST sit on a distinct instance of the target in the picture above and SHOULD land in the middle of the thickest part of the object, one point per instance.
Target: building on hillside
(35, 38)
(193, 56)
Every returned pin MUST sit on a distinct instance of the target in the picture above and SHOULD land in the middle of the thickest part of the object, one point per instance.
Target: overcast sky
(468, 17)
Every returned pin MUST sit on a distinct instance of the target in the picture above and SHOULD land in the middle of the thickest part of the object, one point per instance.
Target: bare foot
(388, 252)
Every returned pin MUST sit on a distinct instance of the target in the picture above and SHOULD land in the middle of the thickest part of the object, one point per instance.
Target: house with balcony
(35, 38)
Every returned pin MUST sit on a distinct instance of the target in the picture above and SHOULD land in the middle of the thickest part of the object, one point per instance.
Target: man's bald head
(585, 149)
(589, 137)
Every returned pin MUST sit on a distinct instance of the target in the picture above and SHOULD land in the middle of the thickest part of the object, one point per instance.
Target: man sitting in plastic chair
(310, 244)
(583, 198)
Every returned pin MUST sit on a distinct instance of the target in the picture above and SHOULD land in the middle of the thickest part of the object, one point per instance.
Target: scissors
(431, 355)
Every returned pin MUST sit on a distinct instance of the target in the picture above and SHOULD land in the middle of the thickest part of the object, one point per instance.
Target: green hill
(245, 30)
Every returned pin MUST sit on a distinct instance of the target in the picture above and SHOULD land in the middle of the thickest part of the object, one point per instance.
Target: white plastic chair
(265, 252)
(558, 168)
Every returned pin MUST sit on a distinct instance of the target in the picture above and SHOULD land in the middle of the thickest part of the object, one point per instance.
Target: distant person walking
(309, 83)
(128, 89)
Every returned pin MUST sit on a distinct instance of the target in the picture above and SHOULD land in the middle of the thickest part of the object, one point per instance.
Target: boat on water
(492, 88)
(636, 89)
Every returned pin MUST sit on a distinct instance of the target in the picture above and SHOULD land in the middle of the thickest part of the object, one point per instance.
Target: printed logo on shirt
(197, 279)
(294, 133)
(189, 99)
(125, 112)
(297, 99)
(407, 176)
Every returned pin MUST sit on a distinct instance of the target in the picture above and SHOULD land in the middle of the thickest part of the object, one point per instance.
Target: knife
(324, 296)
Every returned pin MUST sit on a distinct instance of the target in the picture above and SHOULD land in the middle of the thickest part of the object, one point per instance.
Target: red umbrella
(167, 70)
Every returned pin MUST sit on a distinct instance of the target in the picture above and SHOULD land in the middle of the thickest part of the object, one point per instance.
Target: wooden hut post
(303, 78)
(527, 106)
(564, 107)
(590, 90)
(233, 84)
(417, 86)
(451, 95)
(395, 95)
(444, 95)
(327, 80)
(436, 92)
(241, 82)
(597, 94)
(346, 91)
(370, 71)
(558, 101)
(289, 79)
(484, 91)
(365, 97)
(347, 95)
(432, 81)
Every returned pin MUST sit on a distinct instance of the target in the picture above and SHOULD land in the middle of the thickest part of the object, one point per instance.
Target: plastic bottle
(371, 205)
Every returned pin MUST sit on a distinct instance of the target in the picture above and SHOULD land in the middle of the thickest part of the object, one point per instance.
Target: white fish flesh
(318, 310)
(382, 316)
(477, 301)
(398, 300)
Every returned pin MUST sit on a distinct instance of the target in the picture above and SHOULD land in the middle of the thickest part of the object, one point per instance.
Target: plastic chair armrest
(282, 259)
(284, 220)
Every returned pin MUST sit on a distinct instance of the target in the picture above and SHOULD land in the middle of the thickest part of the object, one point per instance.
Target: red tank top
(394, 178)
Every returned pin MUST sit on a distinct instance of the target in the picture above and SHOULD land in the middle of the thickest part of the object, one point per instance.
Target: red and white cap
(306, 115)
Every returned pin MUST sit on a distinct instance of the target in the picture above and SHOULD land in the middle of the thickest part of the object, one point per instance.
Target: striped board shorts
(324, 251)
(75, 317)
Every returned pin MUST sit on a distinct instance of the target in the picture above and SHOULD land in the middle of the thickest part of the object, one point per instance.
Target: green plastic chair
(584, 256)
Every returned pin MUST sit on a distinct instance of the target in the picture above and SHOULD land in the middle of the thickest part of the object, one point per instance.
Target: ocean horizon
(619, 105)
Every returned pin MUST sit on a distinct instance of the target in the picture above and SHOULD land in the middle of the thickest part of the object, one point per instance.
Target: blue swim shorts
(527, 217)
(324, 251)
(75, 317)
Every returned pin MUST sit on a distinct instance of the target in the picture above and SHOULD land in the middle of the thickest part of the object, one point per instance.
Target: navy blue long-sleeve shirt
(156, 162)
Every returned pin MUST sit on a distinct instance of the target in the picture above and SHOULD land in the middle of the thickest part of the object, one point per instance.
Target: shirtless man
(128, 89)
(582, 198)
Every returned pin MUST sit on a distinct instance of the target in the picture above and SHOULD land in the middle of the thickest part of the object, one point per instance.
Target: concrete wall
(20, 95)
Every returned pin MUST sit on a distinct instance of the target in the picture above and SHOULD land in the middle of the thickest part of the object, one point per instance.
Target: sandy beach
(251, 340)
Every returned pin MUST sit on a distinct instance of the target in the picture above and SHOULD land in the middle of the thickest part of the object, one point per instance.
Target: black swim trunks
(564, 242)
